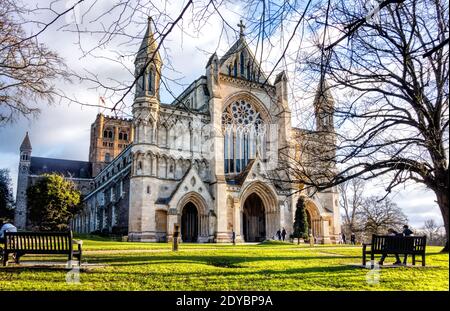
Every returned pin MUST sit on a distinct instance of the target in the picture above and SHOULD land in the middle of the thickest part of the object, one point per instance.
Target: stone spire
(148, 45)
(148, 66)
(26, 144)
(324, 107)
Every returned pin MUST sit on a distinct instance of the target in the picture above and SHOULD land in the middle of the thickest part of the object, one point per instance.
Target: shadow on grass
(236, 273)
(206, 259)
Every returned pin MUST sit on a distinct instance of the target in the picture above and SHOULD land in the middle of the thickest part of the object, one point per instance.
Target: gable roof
(239, 46)
(240, 178)
(68, 168)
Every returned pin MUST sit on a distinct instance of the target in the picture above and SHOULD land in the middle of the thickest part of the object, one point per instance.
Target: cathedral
(210, 163)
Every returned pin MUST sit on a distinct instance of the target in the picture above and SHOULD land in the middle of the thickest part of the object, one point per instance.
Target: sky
(62, 130)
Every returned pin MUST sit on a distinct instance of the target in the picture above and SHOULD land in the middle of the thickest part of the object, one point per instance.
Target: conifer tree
(301, 221)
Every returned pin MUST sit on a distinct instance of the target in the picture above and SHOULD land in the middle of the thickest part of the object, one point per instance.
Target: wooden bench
(37, 243)
(402, 245)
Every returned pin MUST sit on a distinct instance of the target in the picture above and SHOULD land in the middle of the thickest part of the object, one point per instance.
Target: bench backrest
(39, 242)
(412, 244)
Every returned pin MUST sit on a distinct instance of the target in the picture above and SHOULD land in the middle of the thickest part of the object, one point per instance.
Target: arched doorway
(254, 223)
(189, 223)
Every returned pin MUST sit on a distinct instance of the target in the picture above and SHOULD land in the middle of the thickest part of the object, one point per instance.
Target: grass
(266, 266)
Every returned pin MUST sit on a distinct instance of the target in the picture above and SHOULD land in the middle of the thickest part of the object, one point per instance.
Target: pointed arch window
(244, 134)
(235, 68)
(151, 82)
(242, 63)
(140, 85)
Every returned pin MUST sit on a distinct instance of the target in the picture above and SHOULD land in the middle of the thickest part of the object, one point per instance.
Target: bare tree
(377, 215)
(390, 103)
(433, 231)
(27, 68)
(351, 200)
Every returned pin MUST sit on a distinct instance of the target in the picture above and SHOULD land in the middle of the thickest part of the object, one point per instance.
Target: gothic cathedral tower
(146, 106)
(22, 184)
(324, 108)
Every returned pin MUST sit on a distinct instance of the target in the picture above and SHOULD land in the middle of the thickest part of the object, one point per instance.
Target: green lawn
(270, 266)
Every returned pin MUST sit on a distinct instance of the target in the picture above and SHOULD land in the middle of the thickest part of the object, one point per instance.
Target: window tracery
(244, 135)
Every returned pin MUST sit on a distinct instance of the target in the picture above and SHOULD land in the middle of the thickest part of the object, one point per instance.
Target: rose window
(241, 113)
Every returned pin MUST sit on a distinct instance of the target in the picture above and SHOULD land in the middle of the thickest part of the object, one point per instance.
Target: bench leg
(69, 261)
(372, 260)
(414, 260)
(5, 259)
(423, 260)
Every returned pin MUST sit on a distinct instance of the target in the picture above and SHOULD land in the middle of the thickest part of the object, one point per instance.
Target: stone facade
(193, 162)
(211, 162)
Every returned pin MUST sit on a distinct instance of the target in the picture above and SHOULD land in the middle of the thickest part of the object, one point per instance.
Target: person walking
(343, 238)
(279, 235)
(283, 234)
(353, 238)
(391, 232)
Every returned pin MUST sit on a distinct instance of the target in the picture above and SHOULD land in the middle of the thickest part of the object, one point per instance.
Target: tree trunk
(442, 200)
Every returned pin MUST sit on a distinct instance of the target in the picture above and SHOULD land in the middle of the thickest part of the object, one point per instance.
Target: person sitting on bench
(7, 227)
(406, 232)
(391, 232)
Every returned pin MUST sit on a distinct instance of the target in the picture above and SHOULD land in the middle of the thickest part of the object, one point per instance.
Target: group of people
(406, 232)
(281, 234)
(343, 239)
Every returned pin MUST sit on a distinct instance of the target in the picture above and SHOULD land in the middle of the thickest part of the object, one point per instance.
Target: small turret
(281, 89)
(148, 73)
(212, 76)
(148, 65)
(324, 108)
(25, 149)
